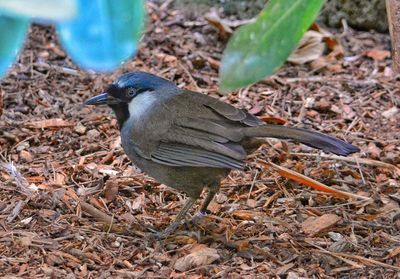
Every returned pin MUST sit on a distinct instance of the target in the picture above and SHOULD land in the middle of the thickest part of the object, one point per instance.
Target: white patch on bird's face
(140, 105)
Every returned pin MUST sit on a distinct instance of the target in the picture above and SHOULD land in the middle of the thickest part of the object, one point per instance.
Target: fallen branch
(311, 182)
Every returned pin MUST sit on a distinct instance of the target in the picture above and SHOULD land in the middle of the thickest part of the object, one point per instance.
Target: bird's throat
(121, 112)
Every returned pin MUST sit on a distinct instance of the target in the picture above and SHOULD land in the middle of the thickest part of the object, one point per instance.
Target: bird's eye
(132, 92)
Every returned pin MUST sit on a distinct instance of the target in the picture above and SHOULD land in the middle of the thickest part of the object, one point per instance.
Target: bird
(191, 141)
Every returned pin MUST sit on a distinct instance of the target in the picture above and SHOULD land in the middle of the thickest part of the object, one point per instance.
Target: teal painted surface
(104, 34)
(12, 35)
(46, 10)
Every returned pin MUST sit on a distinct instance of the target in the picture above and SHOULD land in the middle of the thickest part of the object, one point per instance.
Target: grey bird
(190, 141)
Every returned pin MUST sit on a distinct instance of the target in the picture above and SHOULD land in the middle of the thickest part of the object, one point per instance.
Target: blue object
(12, 34)
(104, 34)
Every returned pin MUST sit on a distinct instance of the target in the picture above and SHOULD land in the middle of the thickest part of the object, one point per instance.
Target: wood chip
(50, 123)
(313, 226)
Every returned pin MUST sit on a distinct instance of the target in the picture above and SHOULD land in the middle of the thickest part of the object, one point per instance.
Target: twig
(361, 173)
(343, 257)
(290, 174)
(354, 257)
(190, 77)
(356, 160)
(326, 79)
(362, 259)
(64, 70)
(251, 187)
(97, 214)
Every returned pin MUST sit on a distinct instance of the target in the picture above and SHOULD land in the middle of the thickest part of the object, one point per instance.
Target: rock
(359, 14)
(80, 129)
(390, 112)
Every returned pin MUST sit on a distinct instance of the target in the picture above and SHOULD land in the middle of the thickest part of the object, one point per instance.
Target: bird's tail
(310, 138)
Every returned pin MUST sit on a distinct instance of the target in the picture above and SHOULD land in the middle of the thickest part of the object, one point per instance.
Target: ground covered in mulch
(64, 178)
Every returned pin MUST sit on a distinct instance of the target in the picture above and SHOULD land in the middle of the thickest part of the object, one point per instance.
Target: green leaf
(258, 49)
(44, 9)
(12, 35)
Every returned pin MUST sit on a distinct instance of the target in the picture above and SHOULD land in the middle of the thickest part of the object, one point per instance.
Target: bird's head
(122, 91)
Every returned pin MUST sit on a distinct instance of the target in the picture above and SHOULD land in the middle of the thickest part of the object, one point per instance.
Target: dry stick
(362, 259)
(355, 160)
(99, 215)
(251, 187)
(190, 77)
(305, 180)
(60, 69)
(393, 11)
(347, 78)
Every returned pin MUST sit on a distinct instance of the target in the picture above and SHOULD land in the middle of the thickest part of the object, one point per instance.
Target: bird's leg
(210, 195)
(172, 227)
(212, 190)
(203, 210)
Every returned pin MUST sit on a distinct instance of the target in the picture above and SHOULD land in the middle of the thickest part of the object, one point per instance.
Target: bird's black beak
(97, 100)
(102, 99)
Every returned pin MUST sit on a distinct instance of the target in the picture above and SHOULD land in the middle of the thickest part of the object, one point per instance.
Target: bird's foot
(167, 232)
(198, 217)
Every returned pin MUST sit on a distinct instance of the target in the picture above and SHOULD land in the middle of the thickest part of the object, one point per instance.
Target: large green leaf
(260, 48)
(44, 9)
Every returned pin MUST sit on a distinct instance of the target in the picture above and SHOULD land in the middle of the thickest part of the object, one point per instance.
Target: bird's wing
(204, 133)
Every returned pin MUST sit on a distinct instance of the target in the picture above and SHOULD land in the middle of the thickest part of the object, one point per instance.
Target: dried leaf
(378, 55)
(111, 190)
(200, 255)
(137, 203)
(25, 156)
(373, 150)
(59, 179)
(246, 214)
(224, 30)
(108, 170)
(311, 47)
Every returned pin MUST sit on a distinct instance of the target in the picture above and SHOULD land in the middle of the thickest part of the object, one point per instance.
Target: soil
(73, 206)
